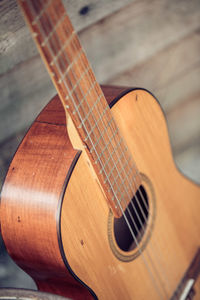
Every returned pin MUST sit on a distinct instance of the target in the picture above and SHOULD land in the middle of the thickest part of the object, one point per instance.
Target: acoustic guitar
(93, 206)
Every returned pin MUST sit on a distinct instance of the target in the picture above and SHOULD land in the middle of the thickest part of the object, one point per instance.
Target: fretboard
(83, 100)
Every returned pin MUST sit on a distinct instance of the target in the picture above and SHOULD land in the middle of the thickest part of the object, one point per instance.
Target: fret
(83, 99)
(34, 22)
(83, 121)
(101, 133)
(115, 168)
(136, 173)
(118, 191)
(47, 38)
(119, 187)
(97, 122)
(95, 125)
(119, 176)
(63, 75)
(87, 94)
(110, 155)
(101, 136)
(107, 145)
(80, 78)
(63, 48)
(91, 111)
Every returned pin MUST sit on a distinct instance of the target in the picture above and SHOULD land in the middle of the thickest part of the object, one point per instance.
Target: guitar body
(58, 227)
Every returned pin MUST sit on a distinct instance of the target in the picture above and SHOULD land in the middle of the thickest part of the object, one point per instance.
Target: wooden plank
(113, 44)
(184, 123)
(23, 96)
(16, 44)
(138, 32)
(162, 71)
(188, 161)
(179, 89)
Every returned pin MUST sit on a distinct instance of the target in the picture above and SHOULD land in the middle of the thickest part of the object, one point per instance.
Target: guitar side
(51, 221)
(31, 200)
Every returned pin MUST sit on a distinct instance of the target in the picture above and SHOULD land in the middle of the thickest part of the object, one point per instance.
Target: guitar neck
(83, 100)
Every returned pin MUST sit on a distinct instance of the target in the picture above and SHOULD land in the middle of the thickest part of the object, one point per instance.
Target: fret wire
(87, 94)
(107, 162)
(41, 12)
(108, 144)
(118, 186)
(83, 99)
(102, 133)
(94, 126)
(92, 108)
(118, 176)
(118, 161)
(54, 30)
(110, 156)
(63, 75)
(78, 81)
(63, 48)
(83, 121)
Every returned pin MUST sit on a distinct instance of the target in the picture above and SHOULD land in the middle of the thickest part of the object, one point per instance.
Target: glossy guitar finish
(54, 216)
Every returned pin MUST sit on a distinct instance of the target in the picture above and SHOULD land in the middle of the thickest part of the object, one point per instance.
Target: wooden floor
(153, 44)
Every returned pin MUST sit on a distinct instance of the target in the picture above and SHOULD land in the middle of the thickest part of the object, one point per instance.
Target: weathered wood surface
(16, 43)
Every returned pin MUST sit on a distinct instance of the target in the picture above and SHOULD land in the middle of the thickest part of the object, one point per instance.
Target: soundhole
(130, 228)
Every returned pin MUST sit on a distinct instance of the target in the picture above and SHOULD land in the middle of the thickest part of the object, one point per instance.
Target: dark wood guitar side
(43, 164)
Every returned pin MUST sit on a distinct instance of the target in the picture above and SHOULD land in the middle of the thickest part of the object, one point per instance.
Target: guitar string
(134, 208)
(120, 161)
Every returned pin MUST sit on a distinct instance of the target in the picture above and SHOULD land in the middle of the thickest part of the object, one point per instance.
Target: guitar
(93, 206)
